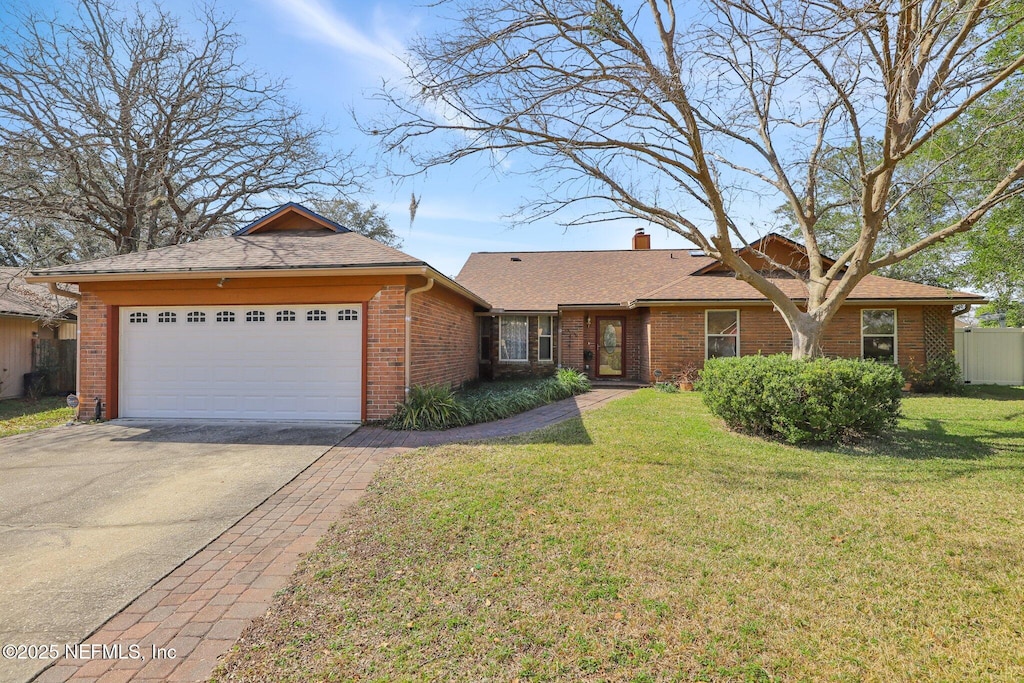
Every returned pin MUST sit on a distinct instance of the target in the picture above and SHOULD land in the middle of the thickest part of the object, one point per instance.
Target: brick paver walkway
(200, 609)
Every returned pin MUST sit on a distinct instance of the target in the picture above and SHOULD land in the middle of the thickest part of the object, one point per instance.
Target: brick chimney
(641, 240)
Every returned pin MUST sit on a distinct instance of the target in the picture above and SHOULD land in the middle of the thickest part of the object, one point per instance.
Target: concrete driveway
(93, 515)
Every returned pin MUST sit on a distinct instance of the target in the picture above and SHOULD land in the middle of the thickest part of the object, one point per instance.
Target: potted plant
(686, 377)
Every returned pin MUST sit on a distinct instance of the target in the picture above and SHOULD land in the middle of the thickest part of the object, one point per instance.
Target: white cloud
(325, 24)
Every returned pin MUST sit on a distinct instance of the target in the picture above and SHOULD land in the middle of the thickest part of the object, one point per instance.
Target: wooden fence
(57, 358)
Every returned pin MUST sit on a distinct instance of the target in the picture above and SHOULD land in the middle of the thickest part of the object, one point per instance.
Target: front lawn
(645, 543)
(22, 415)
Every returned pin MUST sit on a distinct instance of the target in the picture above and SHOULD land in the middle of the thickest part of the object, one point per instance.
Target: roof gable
(291, 217)
(768, 253)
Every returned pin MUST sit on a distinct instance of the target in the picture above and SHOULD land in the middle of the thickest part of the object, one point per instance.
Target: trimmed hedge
(440, 407)
(800, 401)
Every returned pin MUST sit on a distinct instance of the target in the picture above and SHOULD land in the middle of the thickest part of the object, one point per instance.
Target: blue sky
(335, 54)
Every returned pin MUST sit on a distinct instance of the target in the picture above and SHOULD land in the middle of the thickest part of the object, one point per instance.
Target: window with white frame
(513, 338)
(878, 334)
(545, 338)
(722, 333)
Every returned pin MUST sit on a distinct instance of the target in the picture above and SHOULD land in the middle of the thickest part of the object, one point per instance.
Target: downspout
(408, 330)
(57, 291)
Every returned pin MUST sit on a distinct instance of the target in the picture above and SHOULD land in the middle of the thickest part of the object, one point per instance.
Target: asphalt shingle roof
(541, 281)
(261, 251)
(17, 297)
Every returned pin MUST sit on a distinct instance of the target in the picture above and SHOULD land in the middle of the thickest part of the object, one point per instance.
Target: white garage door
(280, 362)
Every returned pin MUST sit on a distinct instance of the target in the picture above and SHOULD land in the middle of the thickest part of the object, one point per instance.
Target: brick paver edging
(201, 608)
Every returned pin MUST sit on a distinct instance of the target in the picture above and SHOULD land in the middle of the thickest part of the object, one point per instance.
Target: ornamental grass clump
(803, 401)
(429, 408)
(439, 407)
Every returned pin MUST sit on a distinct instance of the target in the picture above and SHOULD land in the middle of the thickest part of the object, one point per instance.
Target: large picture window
(545, 323)
(722, 330)
(878, 334)
(513, 338)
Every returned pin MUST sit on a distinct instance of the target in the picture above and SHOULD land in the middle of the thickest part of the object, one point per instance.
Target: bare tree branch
(117, 122)
(640, 112)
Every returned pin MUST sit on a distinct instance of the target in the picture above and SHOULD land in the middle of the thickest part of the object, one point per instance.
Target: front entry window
(609, 347)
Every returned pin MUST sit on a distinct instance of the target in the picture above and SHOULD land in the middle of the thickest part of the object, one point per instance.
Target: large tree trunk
(807, 333)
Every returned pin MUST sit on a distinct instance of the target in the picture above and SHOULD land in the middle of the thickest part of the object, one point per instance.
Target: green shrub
(428, 408)
(667, 387)
(574, 380)
(821, 400)
(941, 375)
(438, 407)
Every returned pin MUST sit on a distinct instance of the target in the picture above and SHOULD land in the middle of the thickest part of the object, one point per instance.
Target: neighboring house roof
(544, 281)
(19, 298)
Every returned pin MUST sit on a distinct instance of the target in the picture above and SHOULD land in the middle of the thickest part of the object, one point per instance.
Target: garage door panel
(301, 369)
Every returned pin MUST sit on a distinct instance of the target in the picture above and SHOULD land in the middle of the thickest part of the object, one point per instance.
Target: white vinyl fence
(990, 355)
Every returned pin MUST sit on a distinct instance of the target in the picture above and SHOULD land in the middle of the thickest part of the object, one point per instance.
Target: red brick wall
(385, 352)
(573, 338)
(677, 336)
(385, 338)
(444, 338)
(92, 355)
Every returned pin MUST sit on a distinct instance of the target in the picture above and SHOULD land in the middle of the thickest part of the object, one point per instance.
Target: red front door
(610, 344)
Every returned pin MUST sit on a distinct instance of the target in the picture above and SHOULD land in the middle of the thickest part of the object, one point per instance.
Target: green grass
(21, 415)
(643, 542)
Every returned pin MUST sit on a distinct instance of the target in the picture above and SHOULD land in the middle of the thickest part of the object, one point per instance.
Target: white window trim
(706, 335)
(551, 346)
(894, 335)
(501, 347)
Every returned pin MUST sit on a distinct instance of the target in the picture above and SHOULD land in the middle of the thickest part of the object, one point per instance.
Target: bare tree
(366, 220)
(121, 123)
(670, 112)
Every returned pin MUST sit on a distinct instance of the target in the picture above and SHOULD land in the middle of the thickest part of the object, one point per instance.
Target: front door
(611, 340)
